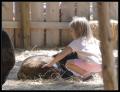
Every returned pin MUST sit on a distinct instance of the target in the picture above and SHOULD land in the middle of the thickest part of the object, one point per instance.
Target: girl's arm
(60, 56)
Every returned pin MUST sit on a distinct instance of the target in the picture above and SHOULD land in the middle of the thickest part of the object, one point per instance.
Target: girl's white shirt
(87, 49)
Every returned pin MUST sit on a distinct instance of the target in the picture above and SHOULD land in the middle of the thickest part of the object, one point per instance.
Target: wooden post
(25, 23)
(109, 73)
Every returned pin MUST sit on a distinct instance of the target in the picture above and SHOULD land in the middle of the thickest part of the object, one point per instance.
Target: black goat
(7, 56)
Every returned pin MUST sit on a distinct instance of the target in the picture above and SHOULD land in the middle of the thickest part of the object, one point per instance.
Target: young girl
(85, 45)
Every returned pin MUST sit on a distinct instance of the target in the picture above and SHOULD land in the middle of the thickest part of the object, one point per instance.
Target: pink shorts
(89, 67)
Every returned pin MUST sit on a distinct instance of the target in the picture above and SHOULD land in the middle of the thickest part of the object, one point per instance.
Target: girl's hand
(46, 65)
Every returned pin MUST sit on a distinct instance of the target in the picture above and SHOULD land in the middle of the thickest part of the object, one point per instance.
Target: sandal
(87, 77)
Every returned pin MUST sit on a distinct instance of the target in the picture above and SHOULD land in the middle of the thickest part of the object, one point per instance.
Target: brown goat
(31, 68)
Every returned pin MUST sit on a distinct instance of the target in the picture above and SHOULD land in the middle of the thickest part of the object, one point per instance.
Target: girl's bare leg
(75, 68)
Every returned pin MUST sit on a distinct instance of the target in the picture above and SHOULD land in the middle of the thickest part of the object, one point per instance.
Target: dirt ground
(12, 83)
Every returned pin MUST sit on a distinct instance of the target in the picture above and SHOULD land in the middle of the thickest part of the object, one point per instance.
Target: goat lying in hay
(7, 57)
(31, 68)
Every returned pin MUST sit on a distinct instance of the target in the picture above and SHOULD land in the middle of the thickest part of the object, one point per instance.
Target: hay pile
(12, 83)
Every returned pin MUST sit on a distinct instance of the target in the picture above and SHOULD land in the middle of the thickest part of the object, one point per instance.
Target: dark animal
(31, 69)
(63, 70)
(7, 56)
(61, 65)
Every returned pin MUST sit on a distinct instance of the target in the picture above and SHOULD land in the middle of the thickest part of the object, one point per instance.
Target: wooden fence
(49, 21)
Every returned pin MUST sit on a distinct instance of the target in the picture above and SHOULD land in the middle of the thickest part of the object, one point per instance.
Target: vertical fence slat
(95, 11)
(94, 27)
(83, 9)
(52, 15)
(113, 6)
(25, 23)
(7, 9)
(18, 32)
(67, 12)
(7, 15)
(114, 29)
(37, 35)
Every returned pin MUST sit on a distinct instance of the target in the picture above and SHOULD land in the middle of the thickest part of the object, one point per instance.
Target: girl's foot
(87, 77)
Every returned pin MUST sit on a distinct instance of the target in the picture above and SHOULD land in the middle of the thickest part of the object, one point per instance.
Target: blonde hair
(81, 23)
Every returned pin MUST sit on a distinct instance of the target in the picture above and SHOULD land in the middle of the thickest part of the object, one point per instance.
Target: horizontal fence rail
(46, 25)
